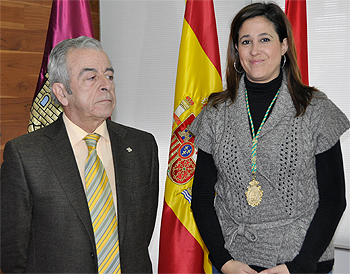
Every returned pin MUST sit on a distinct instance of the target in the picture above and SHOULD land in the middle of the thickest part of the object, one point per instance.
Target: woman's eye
(245, 42)
(265, 40)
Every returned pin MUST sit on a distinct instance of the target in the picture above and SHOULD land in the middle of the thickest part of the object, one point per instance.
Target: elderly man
(81, 194)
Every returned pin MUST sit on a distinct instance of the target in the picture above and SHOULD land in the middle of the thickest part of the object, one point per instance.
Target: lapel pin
(129, 149)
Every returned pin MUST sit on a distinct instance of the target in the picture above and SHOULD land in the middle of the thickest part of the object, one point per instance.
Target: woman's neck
(263, 91)
(260, 97)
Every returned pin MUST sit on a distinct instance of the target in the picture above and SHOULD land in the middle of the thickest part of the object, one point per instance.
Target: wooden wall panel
(23, 29)
(95, 14)
(22, 40)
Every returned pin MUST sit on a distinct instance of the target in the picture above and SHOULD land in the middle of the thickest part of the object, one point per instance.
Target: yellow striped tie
(102, 211)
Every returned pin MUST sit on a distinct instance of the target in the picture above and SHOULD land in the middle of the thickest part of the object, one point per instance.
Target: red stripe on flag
(297, 15)
(174, 148)
(173, 257)
(201, 17)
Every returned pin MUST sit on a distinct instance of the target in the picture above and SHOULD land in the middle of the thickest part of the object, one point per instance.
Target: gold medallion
(254, 193)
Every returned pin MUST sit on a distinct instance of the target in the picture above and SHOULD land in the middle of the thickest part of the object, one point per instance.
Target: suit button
(92, 254)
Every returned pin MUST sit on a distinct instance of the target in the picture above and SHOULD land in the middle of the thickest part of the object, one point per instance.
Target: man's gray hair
(57, 67)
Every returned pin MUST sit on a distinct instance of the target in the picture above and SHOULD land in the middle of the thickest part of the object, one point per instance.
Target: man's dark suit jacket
(45, 219)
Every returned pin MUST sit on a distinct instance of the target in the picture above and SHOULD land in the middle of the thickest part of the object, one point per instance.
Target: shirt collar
(76, 134)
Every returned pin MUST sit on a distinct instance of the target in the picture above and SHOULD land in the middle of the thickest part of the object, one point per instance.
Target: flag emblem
(187, 193)
(186, 150)
(43, 111)
(182, 160)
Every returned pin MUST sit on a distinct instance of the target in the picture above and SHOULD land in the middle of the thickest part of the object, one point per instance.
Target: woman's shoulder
(326, 120)
(321, 104)
(319, 96)
(323, 112)
(208, 120)
(219, 107)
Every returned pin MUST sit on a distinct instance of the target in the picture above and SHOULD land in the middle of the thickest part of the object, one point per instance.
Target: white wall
(142, 39)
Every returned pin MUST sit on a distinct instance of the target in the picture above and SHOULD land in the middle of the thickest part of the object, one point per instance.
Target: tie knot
(91, 140)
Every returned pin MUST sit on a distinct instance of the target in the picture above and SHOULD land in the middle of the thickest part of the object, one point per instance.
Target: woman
(269, 188)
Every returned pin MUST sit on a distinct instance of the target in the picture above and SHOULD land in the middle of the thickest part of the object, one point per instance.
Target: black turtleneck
(260, 97)
(331, 186)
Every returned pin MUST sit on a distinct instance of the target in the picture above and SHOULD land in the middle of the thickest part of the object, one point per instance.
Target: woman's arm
(203, 194)
(332, 203)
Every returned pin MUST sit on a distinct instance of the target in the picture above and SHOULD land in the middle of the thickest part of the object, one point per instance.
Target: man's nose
(105, 84)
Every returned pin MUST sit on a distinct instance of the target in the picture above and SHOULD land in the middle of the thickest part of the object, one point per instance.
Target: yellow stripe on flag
(199, 77)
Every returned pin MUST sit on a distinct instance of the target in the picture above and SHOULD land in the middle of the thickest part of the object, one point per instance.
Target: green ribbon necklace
(254, 192)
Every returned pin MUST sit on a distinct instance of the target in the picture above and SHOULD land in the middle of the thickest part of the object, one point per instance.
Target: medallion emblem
(254, 193)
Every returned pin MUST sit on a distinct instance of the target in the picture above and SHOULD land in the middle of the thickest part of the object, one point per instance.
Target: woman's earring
(284, 61)
(240, 72)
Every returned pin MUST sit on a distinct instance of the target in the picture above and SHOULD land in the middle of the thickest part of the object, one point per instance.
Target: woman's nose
(255, 49)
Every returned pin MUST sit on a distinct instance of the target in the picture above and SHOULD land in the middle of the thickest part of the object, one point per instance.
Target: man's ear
(60, 92)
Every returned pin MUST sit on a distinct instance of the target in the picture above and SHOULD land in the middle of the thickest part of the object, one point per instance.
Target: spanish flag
(68, 19)
(198, 75)
(297, 15)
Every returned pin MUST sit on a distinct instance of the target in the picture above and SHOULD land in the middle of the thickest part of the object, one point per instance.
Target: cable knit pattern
(272, 232)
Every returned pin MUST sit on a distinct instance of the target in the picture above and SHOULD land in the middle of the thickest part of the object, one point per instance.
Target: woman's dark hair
(301, 94)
